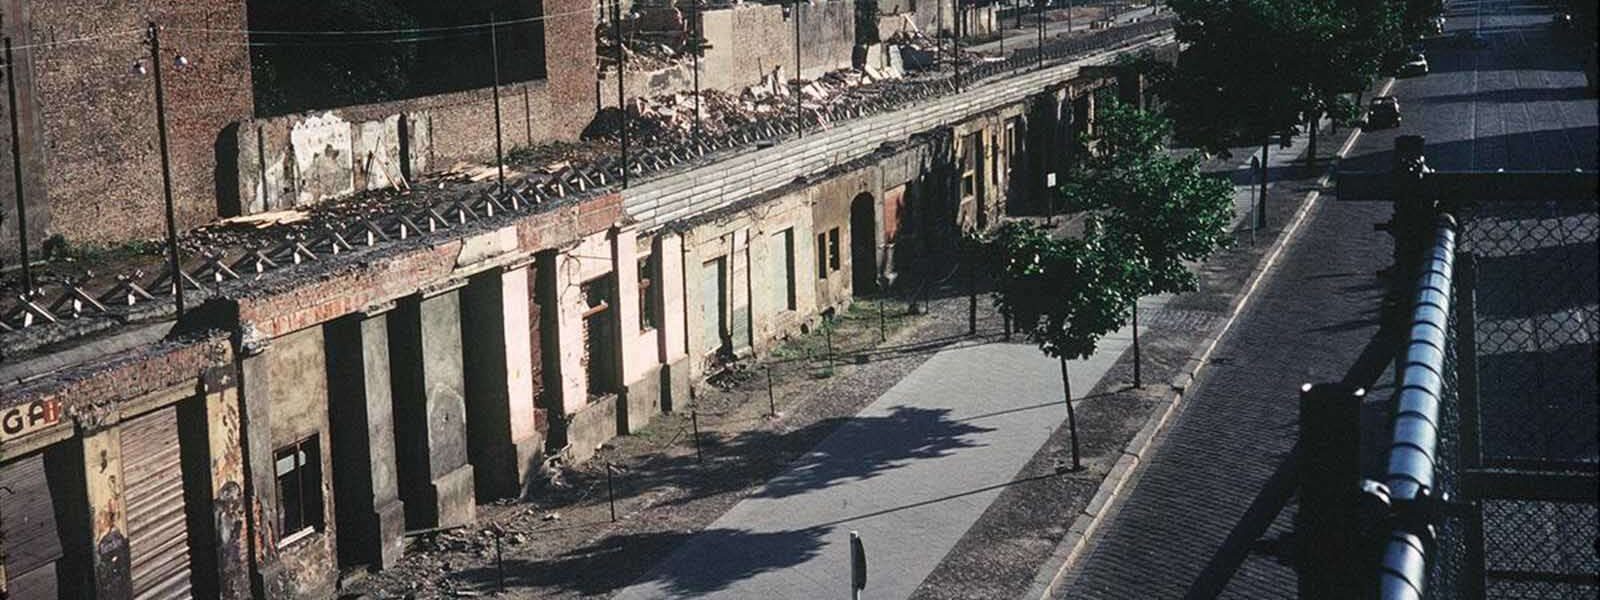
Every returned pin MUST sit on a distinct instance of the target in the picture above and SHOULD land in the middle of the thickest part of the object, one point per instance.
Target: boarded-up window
(822, 255)
(833, 249)
(780, 264)
(713, 302)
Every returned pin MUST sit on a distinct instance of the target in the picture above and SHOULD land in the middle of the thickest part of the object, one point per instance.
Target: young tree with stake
(1063, 294)
(1157, 213)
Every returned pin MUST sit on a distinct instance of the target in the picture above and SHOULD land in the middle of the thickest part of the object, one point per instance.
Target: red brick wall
(570, 60)
(91, 389)
(96, 116)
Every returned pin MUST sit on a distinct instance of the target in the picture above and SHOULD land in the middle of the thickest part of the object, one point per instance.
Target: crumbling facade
(408, 356)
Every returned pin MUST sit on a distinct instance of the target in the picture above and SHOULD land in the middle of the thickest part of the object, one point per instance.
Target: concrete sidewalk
(911, 472)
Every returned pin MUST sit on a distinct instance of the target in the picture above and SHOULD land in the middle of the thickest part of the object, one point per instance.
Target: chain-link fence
(1492, 470)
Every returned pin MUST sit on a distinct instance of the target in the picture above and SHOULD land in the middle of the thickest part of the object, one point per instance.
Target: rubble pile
(656, 38)
(670, 117)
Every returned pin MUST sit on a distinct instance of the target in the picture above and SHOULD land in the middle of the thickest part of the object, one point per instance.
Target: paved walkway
(911, 472)
(1211, 513)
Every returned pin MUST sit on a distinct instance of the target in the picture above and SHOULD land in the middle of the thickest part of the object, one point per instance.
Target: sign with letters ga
(23, 419)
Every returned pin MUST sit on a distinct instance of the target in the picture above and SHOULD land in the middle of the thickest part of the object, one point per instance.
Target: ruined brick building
(422, 342)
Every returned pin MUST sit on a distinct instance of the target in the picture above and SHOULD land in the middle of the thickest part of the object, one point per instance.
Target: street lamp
(153, 39)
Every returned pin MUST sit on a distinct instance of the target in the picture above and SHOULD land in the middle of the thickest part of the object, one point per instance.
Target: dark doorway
(863, 244)
(600, 337)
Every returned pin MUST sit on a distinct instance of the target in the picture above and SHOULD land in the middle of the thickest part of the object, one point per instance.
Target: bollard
(694, 421)
(772, 403)
(1329, 470)
(611, 496)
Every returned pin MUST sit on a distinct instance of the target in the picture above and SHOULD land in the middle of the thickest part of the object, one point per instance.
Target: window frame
(306, 457)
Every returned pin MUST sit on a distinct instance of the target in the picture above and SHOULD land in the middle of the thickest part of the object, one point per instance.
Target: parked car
(1383, 111)
(1416, 66)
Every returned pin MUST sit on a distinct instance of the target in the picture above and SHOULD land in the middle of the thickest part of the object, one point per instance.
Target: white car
(1418, 65)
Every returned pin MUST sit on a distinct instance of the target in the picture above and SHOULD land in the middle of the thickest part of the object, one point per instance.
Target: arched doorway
(863, 244)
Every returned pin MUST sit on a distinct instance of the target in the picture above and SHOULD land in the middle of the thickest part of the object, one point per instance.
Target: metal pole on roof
(697, 39)
(499, 148)
(1040, 4)
(16, 172)
(622, 109)
(799, 119)
(166, 169)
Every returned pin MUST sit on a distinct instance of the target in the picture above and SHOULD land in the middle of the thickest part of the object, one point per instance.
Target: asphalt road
(1210, 514)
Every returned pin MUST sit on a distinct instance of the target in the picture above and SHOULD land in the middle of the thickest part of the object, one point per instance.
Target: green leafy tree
(1063, 294)
(1158, 213)
(1253, 70)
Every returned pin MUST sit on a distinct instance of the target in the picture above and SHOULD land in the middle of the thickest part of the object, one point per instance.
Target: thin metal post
(698, 39)
(694, 422)
(622, 105)
(955, 42)
(166, 169)
(499, 148)
(611, 495)
(1138, 381)
(500, 553)
(827, 336)
(799, 119)
(1040, 12)
(938, 36)
(883, 333)
(1262, 214)
(772, 401)
(16, 172)
(1465, 282)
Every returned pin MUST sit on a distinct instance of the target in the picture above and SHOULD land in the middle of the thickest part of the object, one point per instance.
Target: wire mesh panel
(1539, 549)
(1448, 563)
(1537, 322)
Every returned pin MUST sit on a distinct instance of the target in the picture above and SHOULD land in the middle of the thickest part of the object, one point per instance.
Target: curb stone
(1048, 579)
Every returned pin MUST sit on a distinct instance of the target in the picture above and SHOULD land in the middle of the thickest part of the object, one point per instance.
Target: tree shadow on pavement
(865, 447)
(615, 562)
(793, 460)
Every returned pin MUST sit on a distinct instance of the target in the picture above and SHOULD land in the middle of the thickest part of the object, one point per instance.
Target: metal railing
(1421, 476)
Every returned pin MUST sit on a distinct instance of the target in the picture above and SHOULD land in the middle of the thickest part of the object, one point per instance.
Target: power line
(471, 27)
(77, 40)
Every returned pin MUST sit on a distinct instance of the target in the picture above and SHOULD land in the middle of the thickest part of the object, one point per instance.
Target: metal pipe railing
(1412, 471)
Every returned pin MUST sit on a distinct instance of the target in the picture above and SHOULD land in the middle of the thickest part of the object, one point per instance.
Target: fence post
(1466, 286)
(1326, 527)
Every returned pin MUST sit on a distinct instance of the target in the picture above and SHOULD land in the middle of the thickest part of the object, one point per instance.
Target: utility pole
(1040, 12)
(499, 149)
(955, 43)
(799, 119)
(938, 35)
(16, 172)
(698, 39)
(166, 168)
(622, 108)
